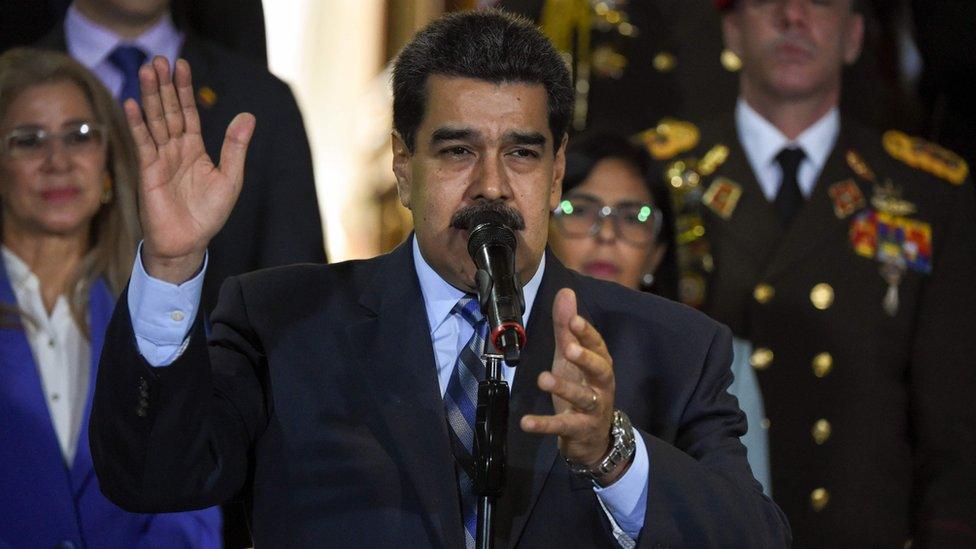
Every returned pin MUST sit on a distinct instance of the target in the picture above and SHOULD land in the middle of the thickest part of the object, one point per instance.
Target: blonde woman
(68, 228)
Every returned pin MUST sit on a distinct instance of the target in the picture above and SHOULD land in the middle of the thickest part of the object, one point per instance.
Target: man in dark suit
(846, 258)
(326, 401)
(276, 220)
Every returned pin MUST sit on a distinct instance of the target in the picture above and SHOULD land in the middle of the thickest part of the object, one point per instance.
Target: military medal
(887, 198)
(858, 165)
(891, 272)
(722, 197)
(846, 197)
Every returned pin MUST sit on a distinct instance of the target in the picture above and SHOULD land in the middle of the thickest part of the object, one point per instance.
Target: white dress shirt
(61, 352)
(762, 141)
(91, 44)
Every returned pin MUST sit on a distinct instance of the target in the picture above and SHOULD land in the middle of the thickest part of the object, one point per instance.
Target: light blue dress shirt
(162, 314)
(745, 388)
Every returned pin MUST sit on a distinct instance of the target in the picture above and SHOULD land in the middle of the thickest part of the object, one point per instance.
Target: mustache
(505, 214)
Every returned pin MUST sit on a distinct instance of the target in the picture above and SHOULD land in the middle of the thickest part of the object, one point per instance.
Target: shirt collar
(762, 140)
(91, 43)
(19, 273)
(440, 297)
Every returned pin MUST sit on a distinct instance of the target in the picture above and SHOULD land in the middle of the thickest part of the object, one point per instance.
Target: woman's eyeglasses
(633, 222)
(34, 143)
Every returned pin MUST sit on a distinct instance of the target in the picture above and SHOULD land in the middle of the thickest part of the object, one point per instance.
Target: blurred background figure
(68, 225)
(276, 221)
(614, 222)
(844, 256)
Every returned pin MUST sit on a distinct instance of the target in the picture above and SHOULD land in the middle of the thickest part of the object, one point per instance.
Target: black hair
(587, 150)
(488, 45)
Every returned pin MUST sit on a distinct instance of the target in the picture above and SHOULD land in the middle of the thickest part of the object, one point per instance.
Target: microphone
(491, 244)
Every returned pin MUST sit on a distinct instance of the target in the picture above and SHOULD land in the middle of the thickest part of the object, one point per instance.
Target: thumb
(234, 149)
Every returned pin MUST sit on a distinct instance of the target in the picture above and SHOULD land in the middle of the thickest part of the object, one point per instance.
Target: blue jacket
(43, 503)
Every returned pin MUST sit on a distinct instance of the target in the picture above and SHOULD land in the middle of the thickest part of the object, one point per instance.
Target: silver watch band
(622, 448)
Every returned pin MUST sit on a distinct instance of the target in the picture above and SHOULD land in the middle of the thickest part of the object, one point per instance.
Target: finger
(172, 112)
(184, 90)
(563, 310)
(588, 336)
(596, 367)
(234, 149)
(152, 104)
(582, 398)
(564, 425)
(145, 146)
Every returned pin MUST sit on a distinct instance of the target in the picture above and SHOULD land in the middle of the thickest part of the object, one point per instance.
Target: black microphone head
(489, 228)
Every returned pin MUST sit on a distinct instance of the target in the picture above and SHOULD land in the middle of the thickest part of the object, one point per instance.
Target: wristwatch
(622, 447)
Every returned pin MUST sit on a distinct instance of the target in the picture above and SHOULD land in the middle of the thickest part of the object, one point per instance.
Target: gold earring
(107, 190)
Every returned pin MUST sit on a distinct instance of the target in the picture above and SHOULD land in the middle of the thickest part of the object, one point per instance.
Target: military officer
(847, 258)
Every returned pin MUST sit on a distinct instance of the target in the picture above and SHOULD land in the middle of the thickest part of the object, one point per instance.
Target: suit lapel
(397, 359)
(531, 457)
(815, 223)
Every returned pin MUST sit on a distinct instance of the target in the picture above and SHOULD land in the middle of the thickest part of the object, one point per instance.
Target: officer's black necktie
(789, 199)
(128, 59)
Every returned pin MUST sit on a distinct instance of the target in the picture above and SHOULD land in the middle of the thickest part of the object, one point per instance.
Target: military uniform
(861, 314)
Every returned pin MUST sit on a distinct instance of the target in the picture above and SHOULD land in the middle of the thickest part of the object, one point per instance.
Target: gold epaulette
(925, 155)
(669, 138)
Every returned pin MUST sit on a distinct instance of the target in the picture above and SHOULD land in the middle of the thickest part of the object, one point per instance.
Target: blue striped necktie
(128, 59)
(460, 402)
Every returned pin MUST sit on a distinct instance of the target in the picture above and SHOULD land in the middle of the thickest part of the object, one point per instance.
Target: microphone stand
(491, 426)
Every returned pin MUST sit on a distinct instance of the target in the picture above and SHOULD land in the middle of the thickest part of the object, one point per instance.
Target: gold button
(664, 62)
(730, 61)
(765, 423)
(823, 364)
(761, 358)
(819, 499)
(822, 296)
(820, 431)
(763, 293)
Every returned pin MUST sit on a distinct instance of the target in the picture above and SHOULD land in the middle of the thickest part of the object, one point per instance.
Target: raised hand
(582, 385)
(184, 199)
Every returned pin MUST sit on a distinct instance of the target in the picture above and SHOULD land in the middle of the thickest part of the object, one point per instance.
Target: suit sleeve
(701, 491)
(177, 438)
(291, 214)
(943, 384)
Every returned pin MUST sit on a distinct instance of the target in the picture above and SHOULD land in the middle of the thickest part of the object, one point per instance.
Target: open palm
(184, 198)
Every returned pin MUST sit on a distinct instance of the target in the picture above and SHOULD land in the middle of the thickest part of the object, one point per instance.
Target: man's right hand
(184, 199)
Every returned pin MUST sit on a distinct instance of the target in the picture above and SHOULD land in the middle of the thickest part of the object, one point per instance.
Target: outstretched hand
(582, 386)
(184, 198)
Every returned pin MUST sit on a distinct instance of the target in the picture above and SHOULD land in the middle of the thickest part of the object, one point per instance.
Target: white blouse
(61, 352)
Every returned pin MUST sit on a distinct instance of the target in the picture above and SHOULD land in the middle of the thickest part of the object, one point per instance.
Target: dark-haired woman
(614, 222)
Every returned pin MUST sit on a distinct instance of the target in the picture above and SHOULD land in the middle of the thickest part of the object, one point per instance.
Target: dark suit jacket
(43, 502)
(276, 219)
(317, 399)
(897, 463)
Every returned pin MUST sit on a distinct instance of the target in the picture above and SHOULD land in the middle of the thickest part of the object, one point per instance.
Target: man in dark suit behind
(276, 220)
(319, 397)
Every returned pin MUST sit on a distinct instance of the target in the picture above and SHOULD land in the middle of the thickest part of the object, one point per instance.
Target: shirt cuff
(626, 499)
(162, 313)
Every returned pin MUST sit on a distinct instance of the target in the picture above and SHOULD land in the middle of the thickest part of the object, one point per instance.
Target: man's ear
(731, 33)
(401, 168)
(558, 173)
(855, 38)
